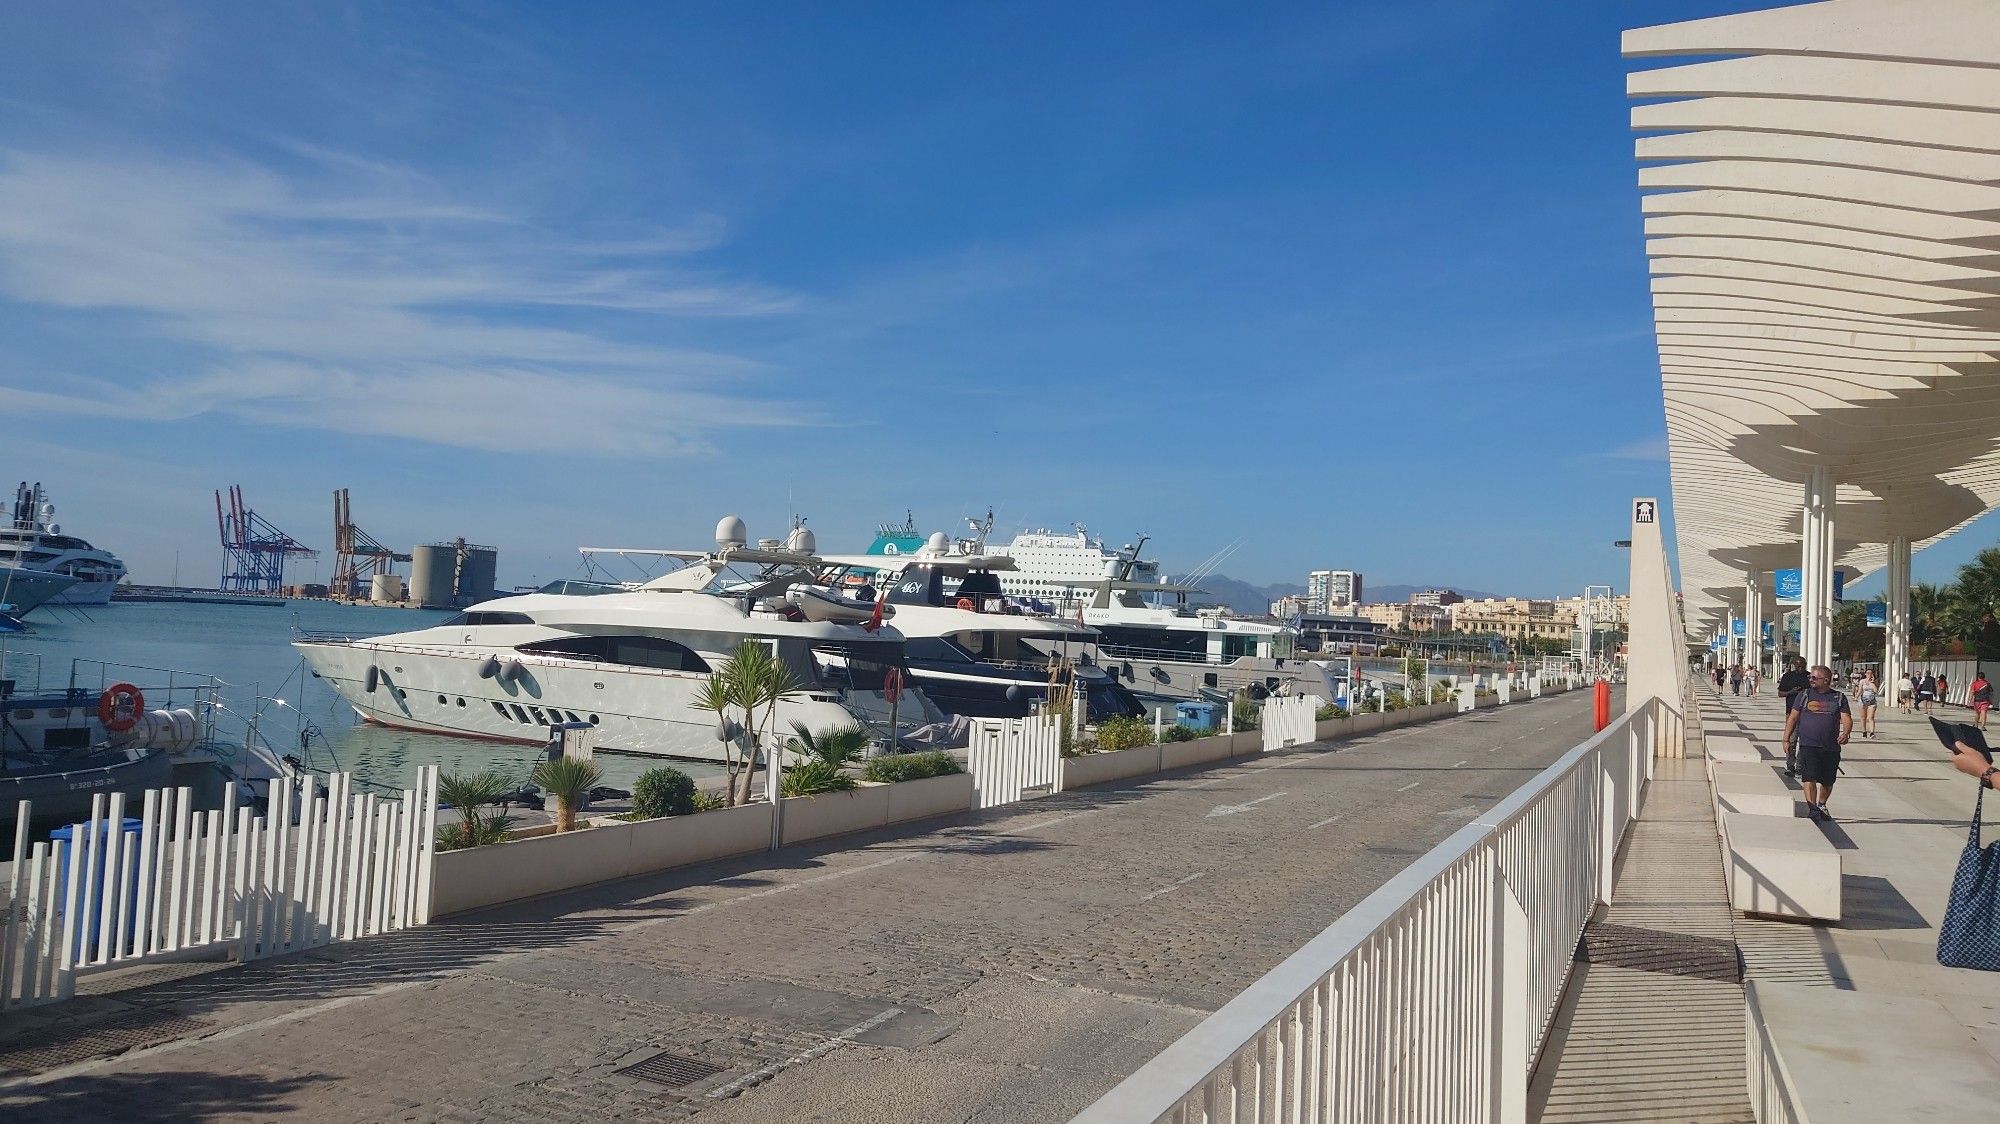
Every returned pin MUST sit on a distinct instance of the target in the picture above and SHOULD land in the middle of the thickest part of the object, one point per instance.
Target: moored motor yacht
(1164, 649)
(967, 643)
(23, 590)
(34, 541)
(631, 662)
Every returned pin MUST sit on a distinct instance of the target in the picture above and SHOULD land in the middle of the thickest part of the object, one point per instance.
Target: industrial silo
(432, 571)
(476, 570)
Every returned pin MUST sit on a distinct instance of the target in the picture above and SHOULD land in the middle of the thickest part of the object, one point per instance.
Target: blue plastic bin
(1197, 716)
(89, 896)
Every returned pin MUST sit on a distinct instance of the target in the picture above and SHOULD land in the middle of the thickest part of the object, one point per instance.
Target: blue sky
(1360, 284)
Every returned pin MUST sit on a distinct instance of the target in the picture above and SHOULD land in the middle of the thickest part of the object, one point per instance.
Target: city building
(1436, 598)
(1394, 616)
(1330, 590)
(1286, 608)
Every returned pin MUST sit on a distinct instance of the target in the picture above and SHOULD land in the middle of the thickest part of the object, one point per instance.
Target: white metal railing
(1008, 756)
(1430, 1000)
(314, 869)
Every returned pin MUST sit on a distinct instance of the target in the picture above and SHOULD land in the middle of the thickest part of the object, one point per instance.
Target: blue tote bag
(1970, 935)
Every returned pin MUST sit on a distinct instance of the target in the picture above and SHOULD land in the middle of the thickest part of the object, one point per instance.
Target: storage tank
(476, 575)
(386, 588)
(431, 571)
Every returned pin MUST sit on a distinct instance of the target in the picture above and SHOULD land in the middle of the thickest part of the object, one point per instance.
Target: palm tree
(1975, 598)
(840, 746)
(568, 781)
(467, 794)
(1929, 607)
(752, 683)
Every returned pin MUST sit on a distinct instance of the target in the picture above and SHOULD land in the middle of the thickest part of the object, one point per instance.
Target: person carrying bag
(1970, 935)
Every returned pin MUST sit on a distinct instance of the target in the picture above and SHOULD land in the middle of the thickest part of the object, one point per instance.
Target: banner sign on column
(1790, 585)
(1878, 614)
(1739, 628)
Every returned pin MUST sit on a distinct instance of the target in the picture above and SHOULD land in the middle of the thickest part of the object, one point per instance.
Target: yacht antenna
(1130, 557)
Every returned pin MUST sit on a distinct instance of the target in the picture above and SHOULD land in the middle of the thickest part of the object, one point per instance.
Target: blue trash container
(1196, 716)
(90, 897)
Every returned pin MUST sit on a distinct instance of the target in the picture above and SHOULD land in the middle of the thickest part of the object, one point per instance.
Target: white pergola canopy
(1823, 228)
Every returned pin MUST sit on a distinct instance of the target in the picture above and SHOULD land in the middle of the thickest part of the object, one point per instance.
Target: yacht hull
(636, 710)
(85, 593)
(1166, 680)
(23, 591)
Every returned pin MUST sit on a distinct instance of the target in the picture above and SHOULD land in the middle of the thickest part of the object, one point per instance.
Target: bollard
(1601, 705)
(1159, 720)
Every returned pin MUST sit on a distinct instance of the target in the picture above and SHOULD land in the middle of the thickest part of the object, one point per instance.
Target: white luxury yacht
(32, 541)
(1164, 649)
(630, 662)
(972, 651)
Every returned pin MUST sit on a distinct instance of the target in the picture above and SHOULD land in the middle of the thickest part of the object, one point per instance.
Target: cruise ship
(1062, 569)
(33, 541)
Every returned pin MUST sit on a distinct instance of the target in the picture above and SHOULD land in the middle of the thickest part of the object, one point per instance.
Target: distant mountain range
(1255, 600)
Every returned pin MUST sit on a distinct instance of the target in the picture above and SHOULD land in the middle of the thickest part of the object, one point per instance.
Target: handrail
(1434, 994)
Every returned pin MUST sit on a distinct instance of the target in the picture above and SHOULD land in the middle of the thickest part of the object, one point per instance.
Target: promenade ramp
(1857, 1020)
(1011, 965)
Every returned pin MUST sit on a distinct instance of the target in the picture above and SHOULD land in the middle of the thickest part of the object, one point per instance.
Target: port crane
(253, 551)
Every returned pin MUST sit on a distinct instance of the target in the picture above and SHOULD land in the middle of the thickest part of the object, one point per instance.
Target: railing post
(1508, 1069)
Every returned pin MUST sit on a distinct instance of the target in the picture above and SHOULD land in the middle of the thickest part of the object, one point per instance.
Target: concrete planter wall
(612, 849)
(1103, 768)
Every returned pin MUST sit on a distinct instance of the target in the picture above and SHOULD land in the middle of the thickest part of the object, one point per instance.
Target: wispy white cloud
(365, 298)
(1644, 449)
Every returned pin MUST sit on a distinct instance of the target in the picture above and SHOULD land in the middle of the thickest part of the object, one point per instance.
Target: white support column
(1816, 560)
(1896, 638)
(1753, 620)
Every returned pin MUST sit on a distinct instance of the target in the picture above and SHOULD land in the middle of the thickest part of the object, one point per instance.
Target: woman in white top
(1905, 690)
(1867, 694)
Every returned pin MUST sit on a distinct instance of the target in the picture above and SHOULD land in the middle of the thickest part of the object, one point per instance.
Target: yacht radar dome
(938, 543)
(802, 541)
(730, 531)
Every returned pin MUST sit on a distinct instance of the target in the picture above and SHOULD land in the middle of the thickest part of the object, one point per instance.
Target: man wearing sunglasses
(1819, 718)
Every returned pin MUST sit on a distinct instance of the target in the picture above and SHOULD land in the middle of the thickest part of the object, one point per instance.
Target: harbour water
(248, 648)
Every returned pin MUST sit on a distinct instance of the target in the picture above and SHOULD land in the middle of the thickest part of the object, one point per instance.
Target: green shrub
(662, 791)
(467, 793)
(1329, 712)
(1179, 733)
(1123, 732)
(1371, 705)
(709, 801)
(1245, 711)
(813, 778)
(840, 745)
(1396, 701)
(912, 767)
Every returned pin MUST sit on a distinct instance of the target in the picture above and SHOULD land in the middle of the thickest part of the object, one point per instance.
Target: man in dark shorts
(1819, 718)
(1790, 684)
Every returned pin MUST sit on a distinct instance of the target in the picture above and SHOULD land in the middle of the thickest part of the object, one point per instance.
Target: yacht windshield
(856, 664)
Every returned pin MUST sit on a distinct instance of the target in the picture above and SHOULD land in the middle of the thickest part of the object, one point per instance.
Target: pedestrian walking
(1941, 692)
(1750, 677)
(1926, 691)
(1982, 697)
(1790, 685)
(1868, 695)
(1736, 680)
(1905, 691)
(1822, 722)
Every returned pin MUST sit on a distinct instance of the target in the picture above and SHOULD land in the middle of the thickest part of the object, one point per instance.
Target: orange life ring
(965, 603)
(120, 706)
(892, 684)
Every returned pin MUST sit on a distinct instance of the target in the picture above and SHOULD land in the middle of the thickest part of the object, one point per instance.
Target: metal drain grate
(45, 1050)
(673, 1070)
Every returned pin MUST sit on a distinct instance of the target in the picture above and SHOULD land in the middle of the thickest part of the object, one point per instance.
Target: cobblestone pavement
(1002, 966)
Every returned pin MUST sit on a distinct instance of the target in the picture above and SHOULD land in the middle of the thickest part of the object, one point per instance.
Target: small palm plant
(467, 794)
(842, 745)
(568, 781)
(746, 693)
(814, 777)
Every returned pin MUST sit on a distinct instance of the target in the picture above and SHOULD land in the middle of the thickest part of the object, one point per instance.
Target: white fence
(1008, 756)
(1288, 720)
(1430, 1000)
(309, 872)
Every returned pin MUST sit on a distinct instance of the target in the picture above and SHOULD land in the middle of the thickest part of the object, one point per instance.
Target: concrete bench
(1751, 787)
(1780, 867)
(1828, 1056)
(1735, 747)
